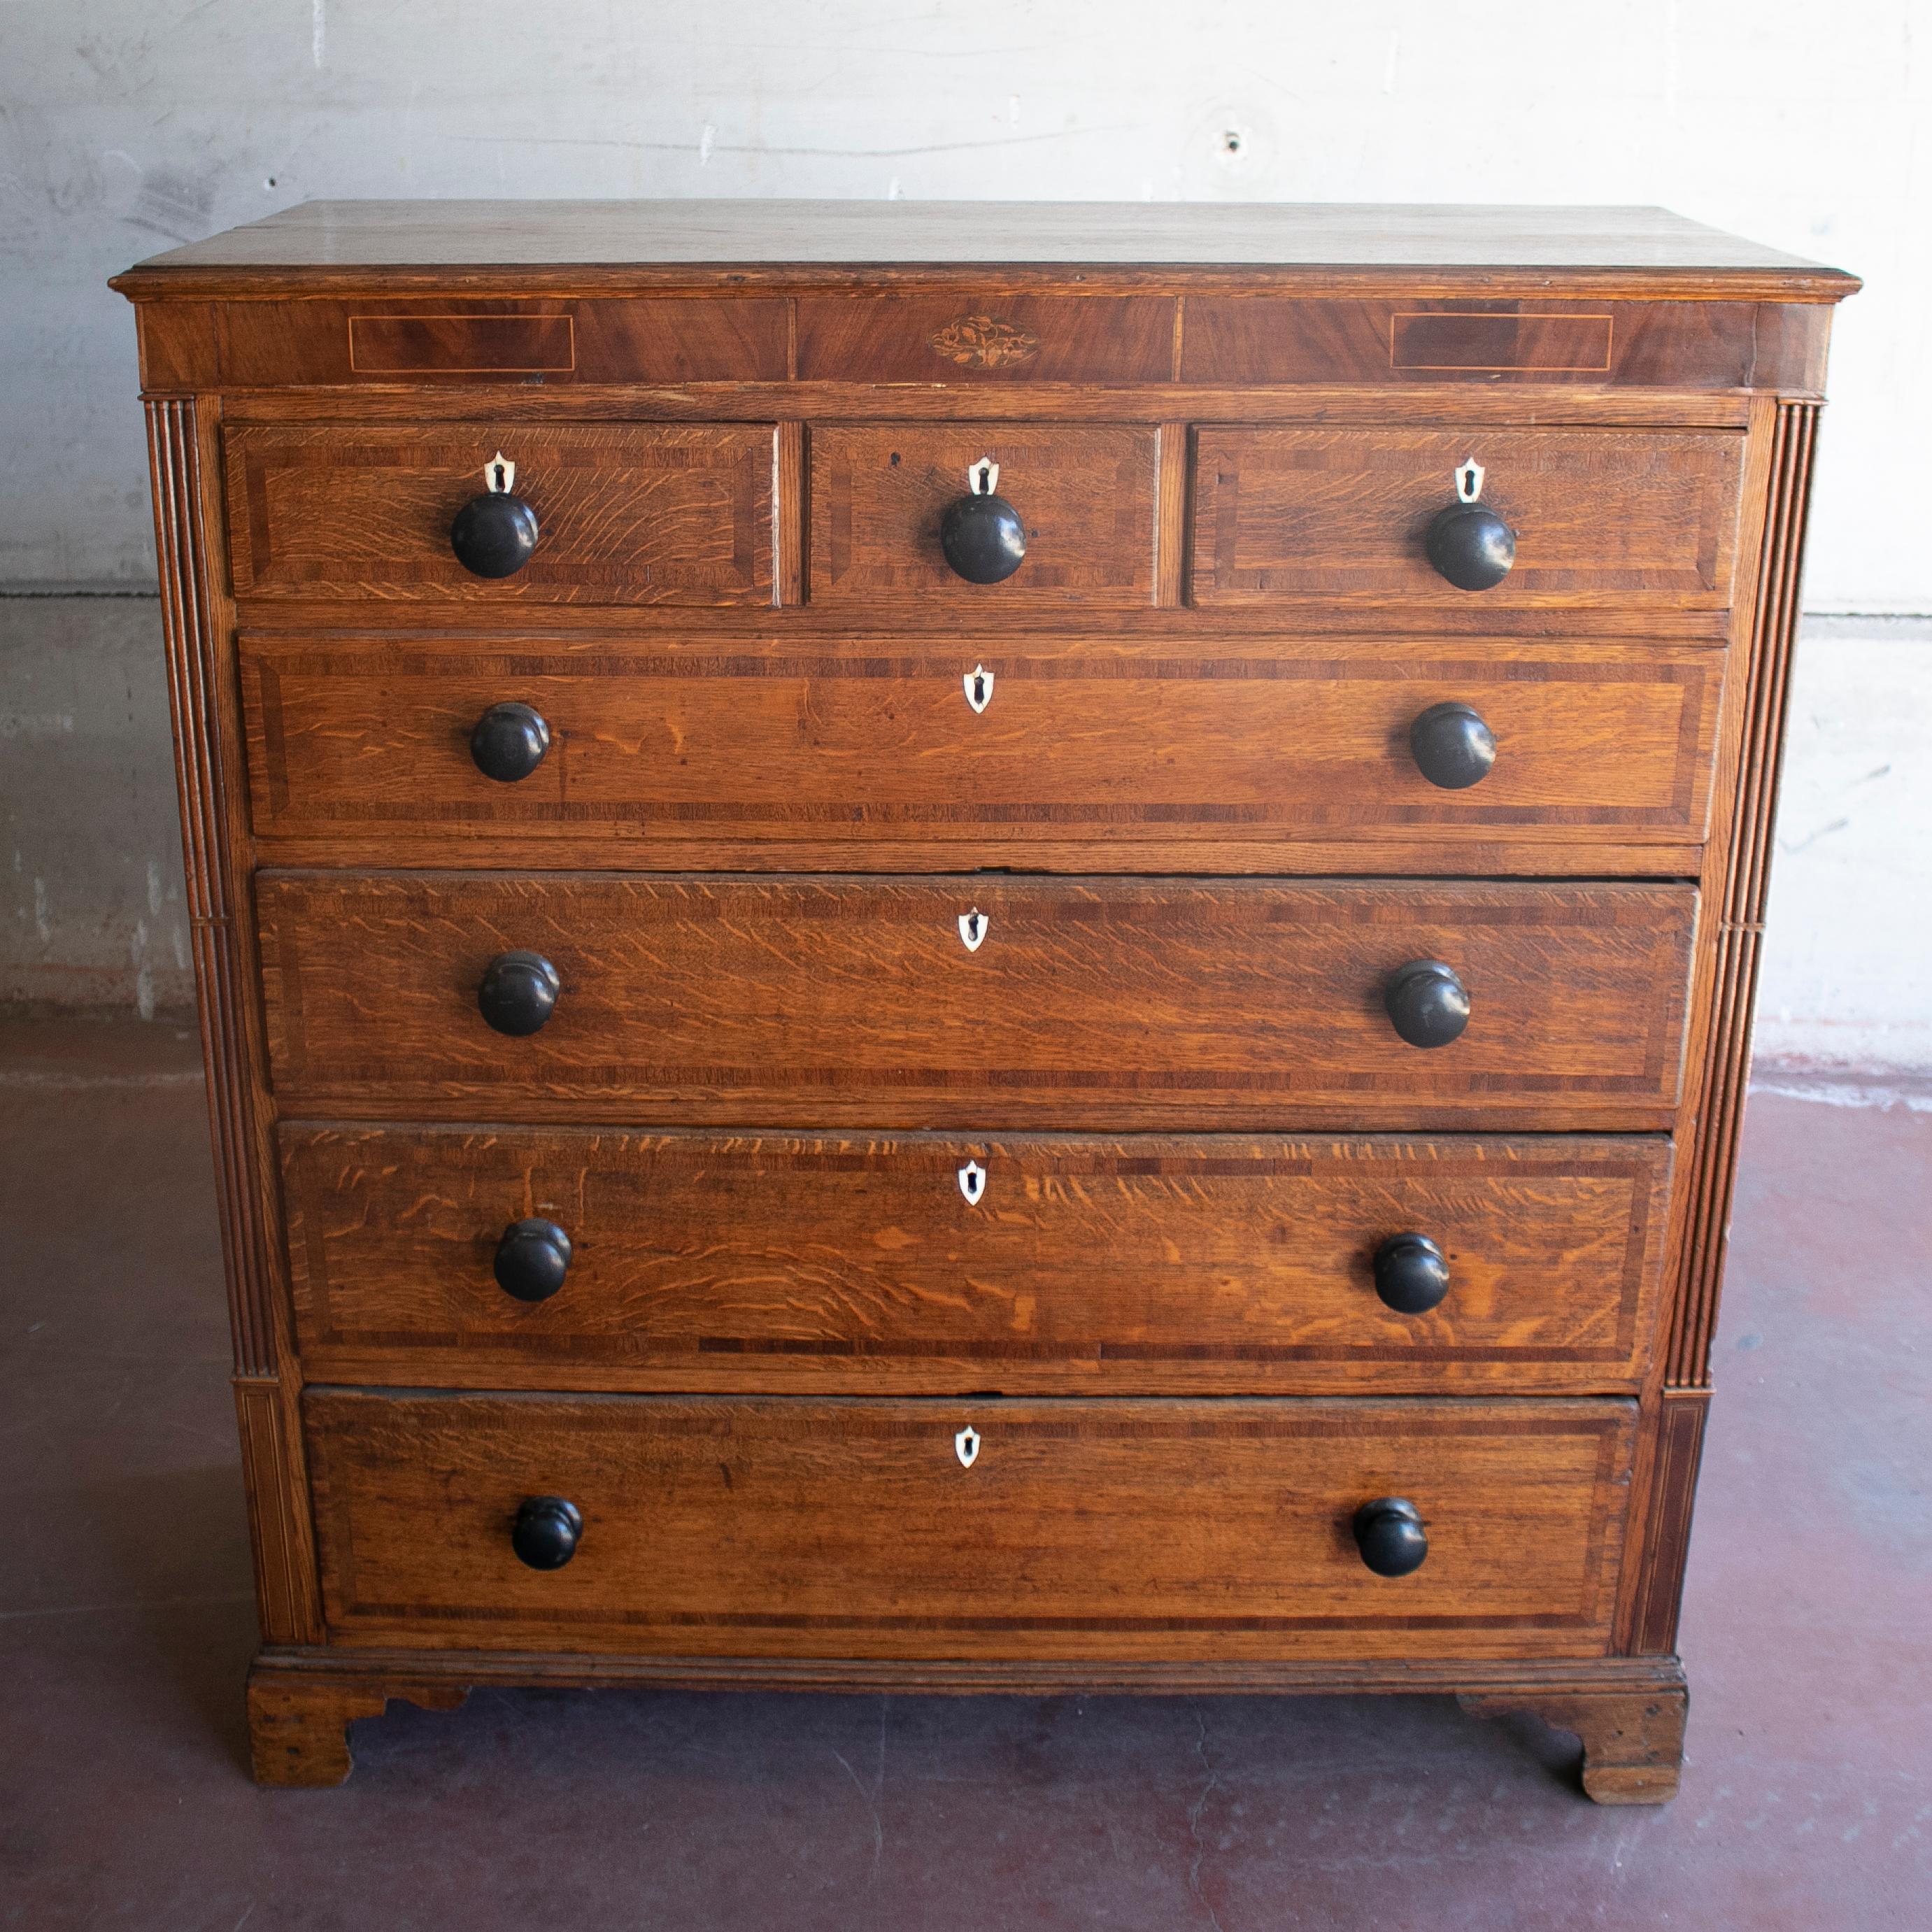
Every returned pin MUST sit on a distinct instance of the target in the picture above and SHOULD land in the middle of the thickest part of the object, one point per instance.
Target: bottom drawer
(1110, 1530)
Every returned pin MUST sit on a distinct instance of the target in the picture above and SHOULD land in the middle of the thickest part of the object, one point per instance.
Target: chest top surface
(337, 243)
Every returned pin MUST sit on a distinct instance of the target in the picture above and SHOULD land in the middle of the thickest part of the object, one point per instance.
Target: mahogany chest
(970, 947)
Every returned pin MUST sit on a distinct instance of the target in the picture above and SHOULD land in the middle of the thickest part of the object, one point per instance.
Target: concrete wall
(94, 913)
(127, 125)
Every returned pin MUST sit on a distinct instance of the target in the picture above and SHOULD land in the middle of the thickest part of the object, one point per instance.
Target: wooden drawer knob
(1453, 746)
(1411, 1274)
(547, 1532)
(1389, 1535)
(1471, 546)
(509, 743)
(1426, 1003)
(518, 993)
(495, 534)
(981, 533)
(1469, 543)
(532, 1258)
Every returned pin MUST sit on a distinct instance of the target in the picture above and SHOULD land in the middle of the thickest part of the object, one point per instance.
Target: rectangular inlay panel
(474, 344)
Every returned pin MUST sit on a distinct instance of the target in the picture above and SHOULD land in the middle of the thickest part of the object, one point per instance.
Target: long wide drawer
(666, 513)
(577, 1259)
(956, 1528)
(915, 743)
(984, 1002)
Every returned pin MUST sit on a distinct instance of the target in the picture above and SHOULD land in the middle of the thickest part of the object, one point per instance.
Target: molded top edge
(334, 243)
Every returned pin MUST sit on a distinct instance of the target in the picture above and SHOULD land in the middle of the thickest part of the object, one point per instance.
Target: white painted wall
(126, 125)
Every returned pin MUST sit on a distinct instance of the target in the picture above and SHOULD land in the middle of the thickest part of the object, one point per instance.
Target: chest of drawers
(976, 947)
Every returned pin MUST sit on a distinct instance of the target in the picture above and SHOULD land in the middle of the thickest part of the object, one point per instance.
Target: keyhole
(979, 682)
(966, 1446)
(986, 478)
(972, 1183)
(973, 928)
(1469, 481)
(500, 483)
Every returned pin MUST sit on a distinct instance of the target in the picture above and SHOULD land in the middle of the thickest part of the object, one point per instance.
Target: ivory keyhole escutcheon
(973, 929)
(972, 1183)
(978, 682)
(966, 1446)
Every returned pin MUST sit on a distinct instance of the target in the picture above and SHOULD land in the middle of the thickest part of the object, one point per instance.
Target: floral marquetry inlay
(983, 342)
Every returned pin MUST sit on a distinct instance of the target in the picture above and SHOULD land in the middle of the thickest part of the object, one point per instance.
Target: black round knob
(1389, 1535)
(1453, 746)
(547, 1532)
(494, 535)
(1427, 1004)
(983, 538)
(1412, 1273)
(518, 992)
(532, 1258)
(1471, 546)
(509, 743)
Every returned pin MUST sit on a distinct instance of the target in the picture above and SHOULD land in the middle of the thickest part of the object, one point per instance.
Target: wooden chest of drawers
(976, 948)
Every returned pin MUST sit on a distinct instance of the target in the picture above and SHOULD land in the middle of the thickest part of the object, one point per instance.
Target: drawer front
(985, 1002)
(794, 1527)
(696, 1261)
(1085, 494)
(904, 743)
(1647, 518)
(674, 513)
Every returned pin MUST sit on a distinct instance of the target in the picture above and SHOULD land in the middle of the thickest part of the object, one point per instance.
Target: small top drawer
(671, 513)
(1077, 499)
(1643, 517)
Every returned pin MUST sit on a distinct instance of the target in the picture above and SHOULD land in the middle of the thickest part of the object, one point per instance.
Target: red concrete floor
(125, 1626)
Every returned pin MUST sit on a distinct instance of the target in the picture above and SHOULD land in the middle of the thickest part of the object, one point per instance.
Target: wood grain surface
(1086, 493)
(1647, 517)
(774, 740)
(1170, 1529)
(1417, 247)
(1091, 1003)
(448, 344)
(658, 514)
(1151, 1263)
(982, 332)
(1003, 339)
